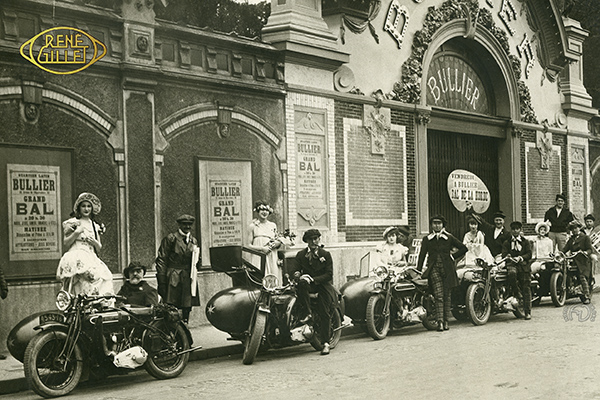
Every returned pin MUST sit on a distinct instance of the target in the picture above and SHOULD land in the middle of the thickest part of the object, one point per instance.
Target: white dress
(542, 248)
(88, 272)
(389, 255)
(262, 233)
(477, 249)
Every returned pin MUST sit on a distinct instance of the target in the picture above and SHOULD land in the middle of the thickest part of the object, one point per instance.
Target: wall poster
(225, 212)
(34, 212)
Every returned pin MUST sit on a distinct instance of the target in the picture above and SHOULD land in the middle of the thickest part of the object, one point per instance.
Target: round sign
(465, 187)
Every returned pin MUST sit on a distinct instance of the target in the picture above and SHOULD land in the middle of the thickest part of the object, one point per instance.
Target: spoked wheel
(557, 293)
(430, 321)
(335, 322)
(479, 307)
(165, 363)
(252, 342)
(378, 318)
(49, 373)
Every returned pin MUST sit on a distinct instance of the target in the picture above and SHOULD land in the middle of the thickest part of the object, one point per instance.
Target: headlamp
(270, 281)
(63, 300)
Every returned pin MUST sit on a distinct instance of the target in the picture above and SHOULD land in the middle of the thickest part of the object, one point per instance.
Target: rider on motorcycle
(316, 275)
(543, 247)
(391, 253)
(136, 289)
(519, 272)
(579, 241)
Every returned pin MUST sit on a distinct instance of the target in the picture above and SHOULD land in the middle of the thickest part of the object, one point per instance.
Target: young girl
(263, 237)
(81, 235)
(474, 240)
(543, 247)
(390, 252)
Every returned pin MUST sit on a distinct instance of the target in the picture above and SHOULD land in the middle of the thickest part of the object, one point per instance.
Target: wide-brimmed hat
(310, 234)
(540, 224)
(388, 231)
(92, 198)
(438, 217)
(499, 214)
(132, 267)
(186, 219)
(589, 216)
(574, 224)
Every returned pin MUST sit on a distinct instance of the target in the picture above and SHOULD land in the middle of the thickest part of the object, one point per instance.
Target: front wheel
(378, 318)
(165, 363)
(557, 293)
(48, 371)
(252, 342)
(479, 307)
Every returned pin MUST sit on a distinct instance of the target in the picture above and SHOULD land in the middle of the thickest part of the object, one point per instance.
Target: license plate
(45, 318)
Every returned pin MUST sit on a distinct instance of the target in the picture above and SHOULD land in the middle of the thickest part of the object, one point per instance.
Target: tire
(519, 312)
(378, 322)
(479, 308)
(558, 295)
(430, 321)
(169, 366)
(252, 342)
(336, 322)
(42, 369)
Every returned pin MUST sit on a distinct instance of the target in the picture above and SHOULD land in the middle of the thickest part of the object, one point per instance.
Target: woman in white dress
(474, 240)
(390, 253)
(263, 237)
(80, 263)
(543, 247)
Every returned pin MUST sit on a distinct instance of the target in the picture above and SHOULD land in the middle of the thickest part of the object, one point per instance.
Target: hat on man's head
(132, 267)
(589, 216)
(438, 217)
(186, 219)
(574, 224)
(561, 196)
(404, 230)
(388, 231)
(540, 224)
(310, 234)
(499, 214)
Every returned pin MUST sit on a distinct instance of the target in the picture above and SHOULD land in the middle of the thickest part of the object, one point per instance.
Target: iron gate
(449, 151)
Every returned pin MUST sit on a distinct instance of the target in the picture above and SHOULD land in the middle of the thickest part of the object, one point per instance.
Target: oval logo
(465, 186)
(63, 50)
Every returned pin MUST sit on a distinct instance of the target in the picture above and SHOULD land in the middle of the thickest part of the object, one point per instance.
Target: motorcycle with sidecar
(88, 336)
(262, 312)
(564, 280)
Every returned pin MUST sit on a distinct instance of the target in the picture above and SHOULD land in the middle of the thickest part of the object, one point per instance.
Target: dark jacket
(173, 269)
(141, 294)
(320, 268)
(494, 244)
(434, 247)
(581, 242)
(560, 223)
(524, 253)
(3, 285)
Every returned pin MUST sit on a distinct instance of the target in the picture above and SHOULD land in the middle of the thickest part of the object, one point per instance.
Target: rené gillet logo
(63, 50)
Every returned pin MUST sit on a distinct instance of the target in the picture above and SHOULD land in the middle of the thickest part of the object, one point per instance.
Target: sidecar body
(24, 331)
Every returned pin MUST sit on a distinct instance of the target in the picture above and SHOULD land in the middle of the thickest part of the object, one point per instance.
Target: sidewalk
(214, 344)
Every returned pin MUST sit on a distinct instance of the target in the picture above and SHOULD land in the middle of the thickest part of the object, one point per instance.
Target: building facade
(348, 116)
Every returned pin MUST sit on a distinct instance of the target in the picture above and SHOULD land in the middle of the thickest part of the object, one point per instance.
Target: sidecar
(24, 331)
(357, 290)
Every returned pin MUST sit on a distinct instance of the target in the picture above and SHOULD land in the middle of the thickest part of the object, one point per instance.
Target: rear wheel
(164, 362)
(48, 372)
(252, 342)
(378, 318)
(557, 293)
(479, 307)
(336, 333)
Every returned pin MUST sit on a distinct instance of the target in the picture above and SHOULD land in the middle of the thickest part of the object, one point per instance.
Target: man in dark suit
(316, 275)
(174, 267)
(519, 270)
(579, 241)
(495, 235)
(559, 217)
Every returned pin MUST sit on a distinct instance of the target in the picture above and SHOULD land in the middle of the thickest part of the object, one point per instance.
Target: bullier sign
(465, 187)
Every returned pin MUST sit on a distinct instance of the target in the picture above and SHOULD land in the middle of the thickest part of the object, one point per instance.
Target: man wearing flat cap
(495, 235)
(559, 217)
(174, 267)
(315, 267)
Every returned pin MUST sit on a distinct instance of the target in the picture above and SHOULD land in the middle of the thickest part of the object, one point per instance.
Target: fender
(59, 326)
(187, 332)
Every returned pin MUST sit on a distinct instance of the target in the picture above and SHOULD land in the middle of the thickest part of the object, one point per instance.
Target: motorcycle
(90, 337)
(541, 279)
(564, 281)
(398, 298)
(269, 316)
(465, 277)
(489, 292)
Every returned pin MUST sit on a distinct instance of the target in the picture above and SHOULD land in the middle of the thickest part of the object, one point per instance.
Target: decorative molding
(397, 12)
(530, 146)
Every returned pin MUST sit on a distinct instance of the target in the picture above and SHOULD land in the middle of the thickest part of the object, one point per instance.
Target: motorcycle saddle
(139, 310)
(420, 282)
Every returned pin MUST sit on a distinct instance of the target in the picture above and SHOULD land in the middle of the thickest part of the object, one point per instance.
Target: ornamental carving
(544, 145)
